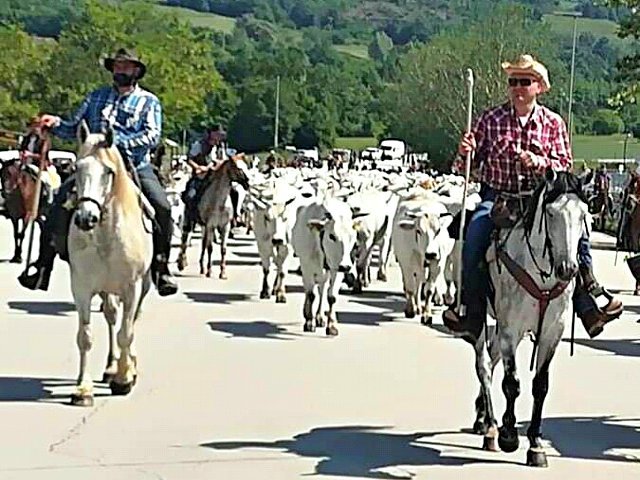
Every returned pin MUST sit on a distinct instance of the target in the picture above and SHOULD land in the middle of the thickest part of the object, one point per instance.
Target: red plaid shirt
(499, 137)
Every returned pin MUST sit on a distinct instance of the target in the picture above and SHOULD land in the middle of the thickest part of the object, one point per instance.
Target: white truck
(393, 153)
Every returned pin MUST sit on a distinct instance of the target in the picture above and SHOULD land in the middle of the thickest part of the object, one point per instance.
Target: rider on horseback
(136, 118)
(519, 133)
(204, 156)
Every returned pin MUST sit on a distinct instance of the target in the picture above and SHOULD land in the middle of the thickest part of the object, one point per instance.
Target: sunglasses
(523, 82)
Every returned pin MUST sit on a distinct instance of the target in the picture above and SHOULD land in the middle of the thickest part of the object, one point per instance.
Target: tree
(21, 63)
(607, 122)
(380, 46)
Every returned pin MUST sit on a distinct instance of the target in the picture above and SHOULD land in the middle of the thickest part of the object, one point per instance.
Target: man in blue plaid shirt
(135, 115)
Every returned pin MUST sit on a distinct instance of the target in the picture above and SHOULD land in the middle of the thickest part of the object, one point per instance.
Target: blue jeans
(475, 280)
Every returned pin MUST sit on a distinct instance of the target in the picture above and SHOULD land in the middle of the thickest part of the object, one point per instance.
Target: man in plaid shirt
(510, 144)
(135, 115)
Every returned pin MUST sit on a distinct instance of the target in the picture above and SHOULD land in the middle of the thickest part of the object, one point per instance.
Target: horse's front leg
(182, 256)
(536, 456)
(486, 423)
(18, 236)
(110, 310)
(126, 375)
(508, 434)
(83, 396)
(224, 233)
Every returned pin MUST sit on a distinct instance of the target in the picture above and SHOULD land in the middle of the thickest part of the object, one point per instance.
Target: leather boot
(163, 279)
(594, 319)
(469, 325)
(39, 280)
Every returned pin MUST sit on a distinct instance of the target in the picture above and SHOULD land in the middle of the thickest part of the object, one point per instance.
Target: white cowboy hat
(527, 65)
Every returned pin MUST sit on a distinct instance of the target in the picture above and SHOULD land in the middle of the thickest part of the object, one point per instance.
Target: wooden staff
(467, 174)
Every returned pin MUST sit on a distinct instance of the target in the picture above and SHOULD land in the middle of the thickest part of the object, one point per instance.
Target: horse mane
(565, 183)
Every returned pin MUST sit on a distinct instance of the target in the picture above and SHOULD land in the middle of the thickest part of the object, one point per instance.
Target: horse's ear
(83, 132)
(108, 137)
(550, 176)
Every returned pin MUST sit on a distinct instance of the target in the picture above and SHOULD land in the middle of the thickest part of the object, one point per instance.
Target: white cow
(274, 215)
(323, 238)
(418, 227)
(373, 213)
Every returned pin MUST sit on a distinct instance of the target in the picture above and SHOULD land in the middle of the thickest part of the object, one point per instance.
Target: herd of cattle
(332, 222)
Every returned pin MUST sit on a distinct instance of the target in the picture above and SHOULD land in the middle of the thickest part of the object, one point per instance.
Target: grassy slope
(202, 19)
(598, 27)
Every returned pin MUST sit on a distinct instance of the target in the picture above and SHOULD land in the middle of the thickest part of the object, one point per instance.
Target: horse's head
(565, 214)
(237, 170)
(95, 173)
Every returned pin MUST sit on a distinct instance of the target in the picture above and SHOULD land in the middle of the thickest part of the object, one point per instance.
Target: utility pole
(275, 132)
(573, 70)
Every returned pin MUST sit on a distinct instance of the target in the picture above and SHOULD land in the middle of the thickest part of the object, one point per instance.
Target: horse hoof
(120, 388)
(320, 322)
(489, 441)
(108, 377)
(222, 276)
(536, 458)
(78, 400)
(16, 260)
(508, 440)
(281, 299)
(426, 320)
(264, 295)
(480, 428)
(382, 277)
(409, 313)
(332, 331)
(309, 327)
(489, 444)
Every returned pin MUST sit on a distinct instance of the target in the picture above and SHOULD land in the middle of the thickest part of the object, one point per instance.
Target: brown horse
(600, 206)
(14, 206)
(630, 229)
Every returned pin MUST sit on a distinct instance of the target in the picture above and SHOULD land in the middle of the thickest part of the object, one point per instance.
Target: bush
(606, 122)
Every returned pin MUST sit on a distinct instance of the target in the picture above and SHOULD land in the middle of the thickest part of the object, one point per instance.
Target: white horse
(110, 252)
(532, 268)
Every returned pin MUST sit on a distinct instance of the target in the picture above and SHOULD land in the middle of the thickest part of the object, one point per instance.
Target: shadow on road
(592, 438)
(255, 329)
(211, 297)
(31, 389)
(626, 348)
(371, 319)
(365, 451)
(43, 308)
(360, 451)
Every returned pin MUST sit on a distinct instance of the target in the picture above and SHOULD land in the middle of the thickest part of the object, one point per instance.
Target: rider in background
(204, 156)
(519, 133)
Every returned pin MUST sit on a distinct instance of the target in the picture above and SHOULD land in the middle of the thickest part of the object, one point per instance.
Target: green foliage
(606, 122)
(21, 65)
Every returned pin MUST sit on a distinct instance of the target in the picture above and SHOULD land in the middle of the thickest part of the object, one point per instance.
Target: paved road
(231, 388)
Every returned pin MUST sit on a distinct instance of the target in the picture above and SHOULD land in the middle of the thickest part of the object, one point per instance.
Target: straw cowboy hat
(128, 55)
(527, 65)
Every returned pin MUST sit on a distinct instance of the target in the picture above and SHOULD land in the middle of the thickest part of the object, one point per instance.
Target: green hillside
(202, 19)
